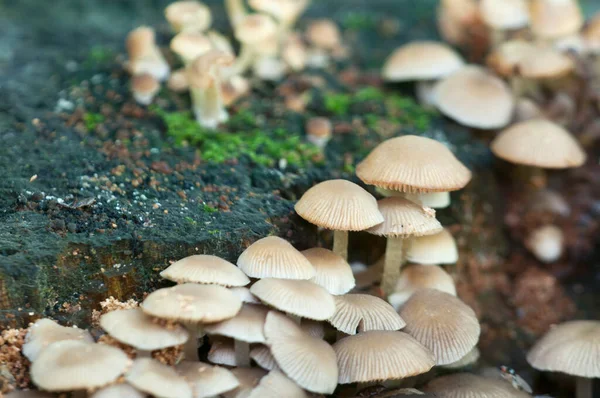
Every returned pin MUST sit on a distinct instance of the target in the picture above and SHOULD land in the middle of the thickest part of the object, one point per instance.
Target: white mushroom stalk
(253, 32)
(236, 11)
(144, 55)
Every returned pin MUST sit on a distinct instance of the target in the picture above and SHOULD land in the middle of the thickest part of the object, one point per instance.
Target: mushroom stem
(208, 105)
(425, 93)
(242, 353)
(190, 349)
(243, 61)
(340, 244)
(235, 10)
(295, 318)
(394, 258)
(532, 178)
(584, 387)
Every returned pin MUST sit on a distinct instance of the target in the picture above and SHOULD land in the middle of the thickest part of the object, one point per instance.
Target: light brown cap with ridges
(413, 164)
(155, 378)
(192, 303)
(45, 331)
(555, 18)
(572, 347)
(262, 356)
(206, 380)
(404, 218)
(190, 45)
(188, 16)
(415, 277)
(206, 269)
(222, 351)
(442, 323)
(332, 271)
(339, 205)
(144, 84)
(307, 360)
(200, 72)
(504, 14)
(467, 385)
(73, 365)
(246, 326)
(248, 379)
(539, 143)
(296, 297)
(362, 313)
(255, 28)
(274, 257)
(274, 385)
(141, 331)
(380, 355)
(439, 248)
(140, 42)
(475, 98)
(421, 60)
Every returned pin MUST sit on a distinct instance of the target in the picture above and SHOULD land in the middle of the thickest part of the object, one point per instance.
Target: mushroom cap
(206, 380)
(192, 303)
(362, 313)
(140, 42)
(274, 257)
(442, 323)
(466, 385)
(74, 365)
(380, 355)
(190, 45)
(178, 81)
(413, 164)
(222, 352)
(155, 378)
(145, 84)
(188, 16)
(255, 28)
(404, 218)
(539, 143)
(555, 18)
(421, 60)
(324, 33)
(435, 200)
(134, 328)
(307, 360)
(246, 326)
(319, 127)
(339, 205)
(331, 271)
(545, 62)
(439, 248)
(248, 379)
(243, 293)
(205, 269)
(262, 356)
(415, 277)
(234, 88)
(284, 10)
(475, 98)
(202, 72)
(467, 360)
(572, 347)
(506, 58)
(274, 384)
(45, 331)
(297, 297)
(504, 14)
(121, 390)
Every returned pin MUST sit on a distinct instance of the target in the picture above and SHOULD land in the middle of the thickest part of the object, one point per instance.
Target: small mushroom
(45, 331)
(262, 356)
(331, 271)
(546, 243)
(551, 19)
(188, 16)
(415, 277)
(275, 384)
(190, 45)
(358, 313)
(205, 380)
(144, 54)
(504, 15)
(144, 88)
(319, 131)
(252, 31)
(439, 248)
(205, 269)
(469, 385)
(157, 379)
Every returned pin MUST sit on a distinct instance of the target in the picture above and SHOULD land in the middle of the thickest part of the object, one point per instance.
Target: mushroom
(222, 351)
(144, 88)
(190, 45)
(205, 380)
(192, 305)
(205, 269)
(546, 243)
(121, 390)
(442, 323)
(263, 357)
(331, 271)
(144, 54)
(324, 34)
(380, 355)
(424, 62)
(44, 332)
(551, 19)
(403, 220)
(469, 385)
(157, 379)
(439, 248)
(248, 379)
(274, 384)
(71, 365)
(341, 206)
(415, 277)
(188, 16)
(319, 131)
(204, 78)
(142, 332)
(234, 88)
(252, 32)
(178, 81)
(504, 15)
(294, 52)
(307, 360)
(286, 12)
(471, 358)
(456, 18)
(358, 313)
(572, 348)
(243, 293)
(236, 11)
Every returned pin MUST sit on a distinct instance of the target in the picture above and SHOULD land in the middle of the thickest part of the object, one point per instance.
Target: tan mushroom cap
(404, 218)
(442, 323)
(297, 297)
(466, 385)
(274, 257)
(286, 11)
(255, 28)
(188, 16)
(307, 360)
(205, 269)
(145, 84)
(274, 385)
(121, 390)
(248, 379)
(222, 352)
(505, 59)
(555, 18)
(380, 355)
(415, 277)
(421, 60)
(178, 81)
(439, 248)
(234, 88)
(332, 271)
(205, 380)
(157, 379)
(313, 328)
(324, 33)
(140, 42)
(45, 331)
(545, 63)
(413, 164)
(539, 143)
(357, 313)
(319, 127)
(246, 326)
(469, 359)
(504, 14)
(243, 293)
(262, 356)
(572, 347)
(190, 45)
(202, 72)
(192, 303)
(134, 328)
(73, 365)
(339, 205)
(475, 98)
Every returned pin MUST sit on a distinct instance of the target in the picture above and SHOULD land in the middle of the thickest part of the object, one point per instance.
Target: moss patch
(91, 120)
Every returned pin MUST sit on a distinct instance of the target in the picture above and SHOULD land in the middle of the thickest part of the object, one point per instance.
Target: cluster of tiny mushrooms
(273, 338)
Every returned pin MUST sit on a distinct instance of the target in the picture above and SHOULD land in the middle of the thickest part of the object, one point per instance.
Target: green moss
(91, 120)
(337, 104)
(99, 55)
(190, 220)
(209, 209)
(358, 21)
(406, 111)
(369, 94)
